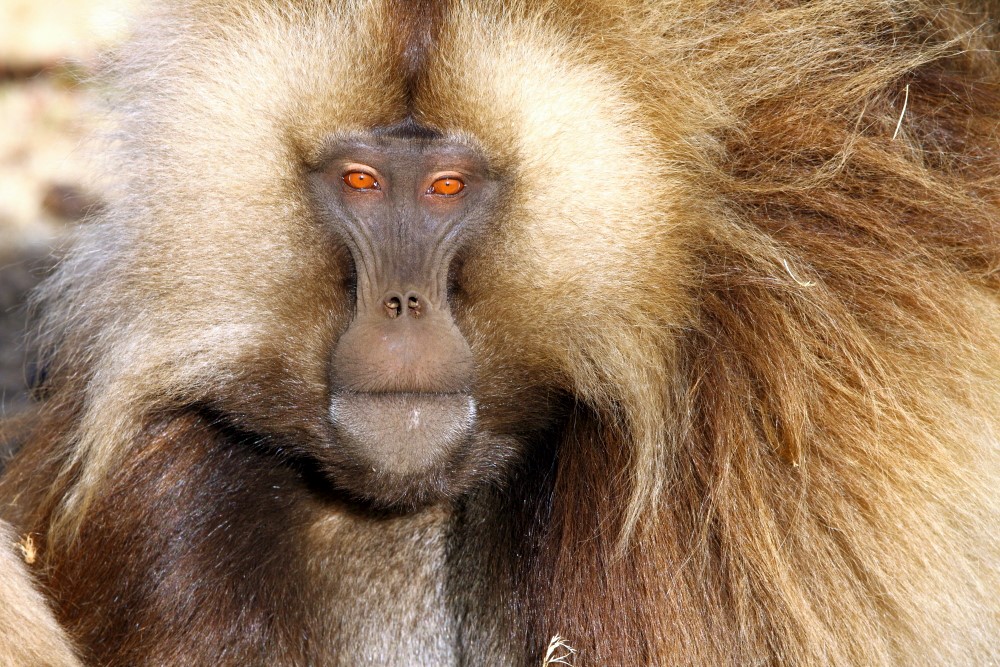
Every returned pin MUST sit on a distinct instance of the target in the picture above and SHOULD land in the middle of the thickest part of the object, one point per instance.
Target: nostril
(414, 305)
(393, 305)
(396, 305)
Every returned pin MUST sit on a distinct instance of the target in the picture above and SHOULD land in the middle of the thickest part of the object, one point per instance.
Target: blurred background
(48, 49)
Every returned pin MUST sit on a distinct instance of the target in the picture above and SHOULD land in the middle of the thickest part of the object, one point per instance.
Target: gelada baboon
(418, 333)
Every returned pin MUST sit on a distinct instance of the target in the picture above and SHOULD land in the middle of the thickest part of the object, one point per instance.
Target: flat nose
(395, 304)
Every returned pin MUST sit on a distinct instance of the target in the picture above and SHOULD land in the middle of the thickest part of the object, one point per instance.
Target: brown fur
(737, 325)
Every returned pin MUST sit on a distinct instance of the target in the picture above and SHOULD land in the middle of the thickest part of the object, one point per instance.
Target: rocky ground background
(48, 49)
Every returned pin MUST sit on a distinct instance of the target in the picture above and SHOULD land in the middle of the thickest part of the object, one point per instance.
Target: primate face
(406, 204)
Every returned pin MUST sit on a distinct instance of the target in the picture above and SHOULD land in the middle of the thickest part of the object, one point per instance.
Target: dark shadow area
(20, 271)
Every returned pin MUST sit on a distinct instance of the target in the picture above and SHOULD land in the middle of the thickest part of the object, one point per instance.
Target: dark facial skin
(401, 403)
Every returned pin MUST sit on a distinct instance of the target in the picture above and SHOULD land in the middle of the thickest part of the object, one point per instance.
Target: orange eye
(360, 180)
(447, 186)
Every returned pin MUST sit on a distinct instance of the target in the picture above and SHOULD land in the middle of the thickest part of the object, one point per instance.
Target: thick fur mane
(794, 398)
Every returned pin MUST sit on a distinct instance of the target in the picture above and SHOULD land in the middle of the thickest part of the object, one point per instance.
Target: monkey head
(399, 274)
(678, 318)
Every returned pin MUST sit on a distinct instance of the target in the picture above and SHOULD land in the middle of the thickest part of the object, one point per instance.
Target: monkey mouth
(402, 434)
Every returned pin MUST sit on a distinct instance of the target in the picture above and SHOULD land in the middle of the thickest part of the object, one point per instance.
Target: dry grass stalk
(558, 653)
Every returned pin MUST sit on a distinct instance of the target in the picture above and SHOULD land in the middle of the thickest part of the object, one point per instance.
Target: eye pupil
(447, 186)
